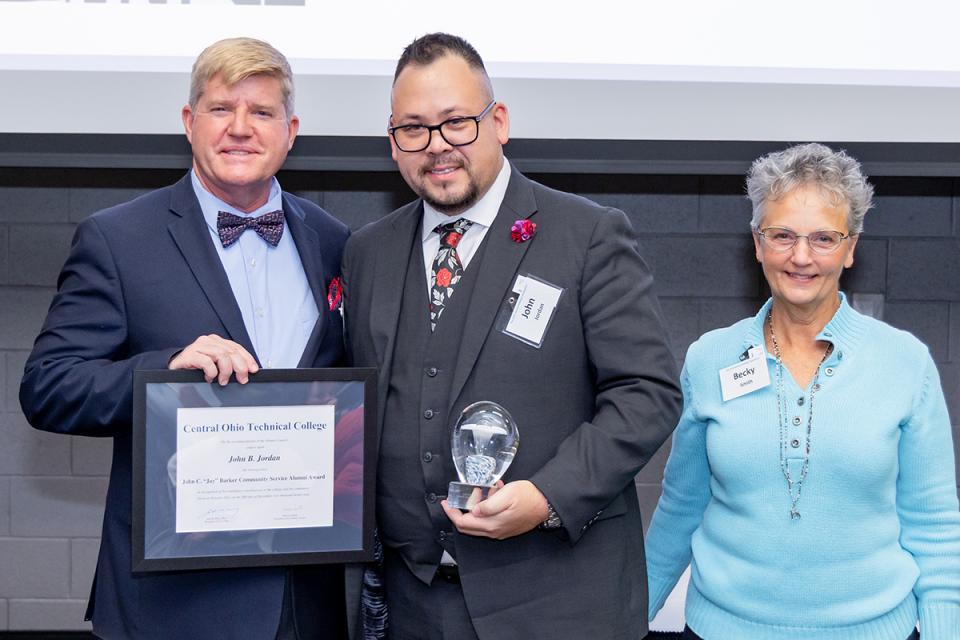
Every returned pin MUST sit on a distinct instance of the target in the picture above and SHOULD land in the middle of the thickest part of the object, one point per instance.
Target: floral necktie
(447, 268)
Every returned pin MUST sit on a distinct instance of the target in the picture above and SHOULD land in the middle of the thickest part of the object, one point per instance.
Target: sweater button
(828, 371)
(795, 443)
(428, 414)
(796, 420)
(800, 401)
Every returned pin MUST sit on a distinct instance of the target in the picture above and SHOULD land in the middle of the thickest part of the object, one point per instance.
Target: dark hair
(426, 49)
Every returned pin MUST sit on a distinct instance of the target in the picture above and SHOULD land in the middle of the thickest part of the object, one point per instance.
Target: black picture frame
(158, 547)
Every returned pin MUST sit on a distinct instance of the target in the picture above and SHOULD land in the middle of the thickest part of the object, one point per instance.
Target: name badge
(746, 376)
(536, 301)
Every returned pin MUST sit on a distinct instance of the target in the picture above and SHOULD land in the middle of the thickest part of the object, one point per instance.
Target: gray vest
(415, 465)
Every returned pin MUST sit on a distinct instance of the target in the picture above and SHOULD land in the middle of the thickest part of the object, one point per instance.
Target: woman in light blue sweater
(811, 482)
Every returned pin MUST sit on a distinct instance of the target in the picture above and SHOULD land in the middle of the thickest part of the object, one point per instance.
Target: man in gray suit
(437, 295)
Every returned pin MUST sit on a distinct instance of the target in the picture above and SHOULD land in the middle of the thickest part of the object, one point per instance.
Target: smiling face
(450, 178)
(240, 136)
(799, 278)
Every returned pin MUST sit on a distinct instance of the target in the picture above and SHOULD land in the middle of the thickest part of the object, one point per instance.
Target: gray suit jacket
(593, 404)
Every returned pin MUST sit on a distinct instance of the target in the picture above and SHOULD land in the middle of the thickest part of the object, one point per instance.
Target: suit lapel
(308, 246)
(190, 233)
(388, 285)
(499, 263)
(389, 276)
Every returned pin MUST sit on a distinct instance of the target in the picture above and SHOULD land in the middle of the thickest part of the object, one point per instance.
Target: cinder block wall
(692, 230)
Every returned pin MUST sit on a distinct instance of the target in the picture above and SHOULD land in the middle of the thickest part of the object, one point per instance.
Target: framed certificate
(278, 471)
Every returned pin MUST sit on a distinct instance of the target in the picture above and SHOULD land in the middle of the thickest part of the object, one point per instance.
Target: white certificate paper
(242, 468)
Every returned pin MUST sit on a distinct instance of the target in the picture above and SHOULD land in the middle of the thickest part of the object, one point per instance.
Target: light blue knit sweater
(878, 543)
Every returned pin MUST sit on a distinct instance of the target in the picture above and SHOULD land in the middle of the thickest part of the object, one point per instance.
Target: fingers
(455, 515)
(495, 503)
(469, 523)
(218, 358)
(515, 508)
(495, 488)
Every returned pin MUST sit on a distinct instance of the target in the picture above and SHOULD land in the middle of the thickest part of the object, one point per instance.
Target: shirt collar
(211, 205)
(481, 213)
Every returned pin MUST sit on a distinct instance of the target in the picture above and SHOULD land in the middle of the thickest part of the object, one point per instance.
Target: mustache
(449, 159)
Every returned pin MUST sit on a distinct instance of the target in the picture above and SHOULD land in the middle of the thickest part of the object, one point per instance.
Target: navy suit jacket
(142, 281)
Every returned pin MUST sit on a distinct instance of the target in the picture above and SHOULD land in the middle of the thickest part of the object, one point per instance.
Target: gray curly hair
(776, 174)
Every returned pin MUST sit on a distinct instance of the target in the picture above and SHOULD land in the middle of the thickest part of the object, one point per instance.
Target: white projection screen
(856, 70)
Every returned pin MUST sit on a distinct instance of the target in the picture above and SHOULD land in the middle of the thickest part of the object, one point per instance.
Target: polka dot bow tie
(269, 226)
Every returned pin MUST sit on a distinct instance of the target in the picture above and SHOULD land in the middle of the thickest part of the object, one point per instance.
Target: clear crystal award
(484, 443)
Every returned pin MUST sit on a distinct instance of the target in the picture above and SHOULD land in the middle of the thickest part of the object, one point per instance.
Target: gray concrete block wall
(693, 231)
(49, 614)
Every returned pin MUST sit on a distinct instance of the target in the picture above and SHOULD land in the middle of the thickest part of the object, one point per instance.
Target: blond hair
(236, 59)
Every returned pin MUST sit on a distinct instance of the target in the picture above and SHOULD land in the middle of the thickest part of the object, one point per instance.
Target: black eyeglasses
(458, 132)
(781, 239)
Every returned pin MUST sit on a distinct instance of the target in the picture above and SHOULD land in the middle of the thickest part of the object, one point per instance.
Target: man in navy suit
(221, 272)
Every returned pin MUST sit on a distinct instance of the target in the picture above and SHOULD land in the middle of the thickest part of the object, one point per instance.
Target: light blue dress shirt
(268, 283)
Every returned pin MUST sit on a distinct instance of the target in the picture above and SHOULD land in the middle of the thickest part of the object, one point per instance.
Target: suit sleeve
(79, 377)
(637, 398)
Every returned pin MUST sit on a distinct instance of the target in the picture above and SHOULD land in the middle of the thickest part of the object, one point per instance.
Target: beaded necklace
(794, 486)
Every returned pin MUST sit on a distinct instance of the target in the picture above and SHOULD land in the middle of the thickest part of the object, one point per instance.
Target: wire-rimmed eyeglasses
(823, 241)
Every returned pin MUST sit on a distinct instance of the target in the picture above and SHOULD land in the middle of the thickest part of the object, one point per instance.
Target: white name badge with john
(536, 301)
(746, 376)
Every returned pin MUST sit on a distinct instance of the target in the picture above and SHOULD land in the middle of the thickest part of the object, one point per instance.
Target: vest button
(432, 372)
(431, 497)
(428, 414)
(443, 536)
(427, 456)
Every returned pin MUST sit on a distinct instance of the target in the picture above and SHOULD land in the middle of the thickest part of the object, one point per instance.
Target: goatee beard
(453, 207)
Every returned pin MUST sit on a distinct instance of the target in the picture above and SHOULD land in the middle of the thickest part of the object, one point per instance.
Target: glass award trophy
(483, 444)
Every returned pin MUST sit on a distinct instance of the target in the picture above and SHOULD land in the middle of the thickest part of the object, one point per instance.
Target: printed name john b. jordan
(257, 458)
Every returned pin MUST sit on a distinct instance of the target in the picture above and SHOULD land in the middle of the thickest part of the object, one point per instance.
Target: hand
(218, 358)
(516, 508)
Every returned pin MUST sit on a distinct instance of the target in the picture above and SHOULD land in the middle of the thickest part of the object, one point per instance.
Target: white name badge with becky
(746, 376)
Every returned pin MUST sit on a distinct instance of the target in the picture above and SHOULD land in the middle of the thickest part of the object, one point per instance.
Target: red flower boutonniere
(523, 230)
(335, 294)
